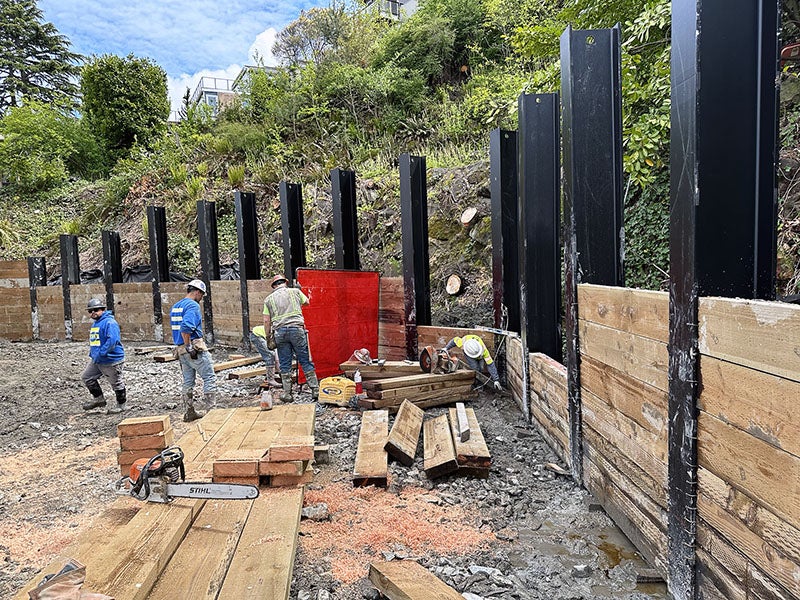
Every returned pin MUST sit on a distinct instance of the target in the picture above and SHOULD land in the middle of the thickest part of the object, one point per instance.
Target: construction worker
(476, 355)
(258, 337)
(284, 317)
(190, 347)
(107, 358)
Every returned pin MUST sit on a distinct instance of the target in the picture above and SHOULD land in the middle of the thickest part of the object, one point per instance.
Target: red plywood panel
(342, 315)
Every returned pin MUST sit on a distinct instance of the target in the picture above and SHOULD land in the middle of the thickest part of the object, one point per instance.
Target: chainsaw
(161, 479)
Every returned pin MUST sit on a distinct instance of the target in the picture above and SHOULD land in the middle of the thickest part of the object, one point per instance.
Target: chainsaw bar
(212, 491)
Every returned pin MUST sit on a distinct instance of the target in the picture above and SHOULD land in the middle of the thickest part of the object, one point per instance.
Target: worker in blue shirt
(190, 347)
(107, 359)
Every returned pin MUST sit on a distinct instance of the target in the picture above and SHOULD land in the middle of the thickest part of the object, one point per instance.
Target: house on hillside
(394, 9)
(218, 92)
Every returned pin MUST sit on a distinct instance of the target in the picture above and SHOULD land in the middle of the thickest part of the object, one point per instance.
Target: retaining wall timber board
(15, 313)
(133, 309)
(14, 274)
(391, 319)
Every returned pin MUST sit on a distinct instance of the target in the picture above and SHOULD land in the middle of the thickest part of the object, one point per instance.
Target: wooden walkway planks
(264, 558)
(372, 463)
(404, 436)
(408, 580)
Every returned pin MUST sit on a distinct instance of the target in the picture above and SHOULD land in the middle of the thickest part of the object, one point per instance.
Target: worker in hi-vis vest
(476, 355)
(107, 358)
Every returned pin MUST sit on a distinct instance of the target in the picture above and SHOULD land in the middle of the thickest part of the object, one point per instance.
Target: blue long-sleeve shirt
(105, 346)
(185, 317)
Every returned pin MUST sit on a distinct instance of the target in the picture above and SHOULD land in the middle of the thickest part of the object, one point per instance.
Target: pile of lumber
(453, 444)
(142, 437)
(426, 390)
(277, 451)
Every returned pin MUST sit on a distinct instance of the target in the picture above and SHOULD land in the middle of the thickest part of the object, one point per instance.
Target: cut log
(404, 436)
(462, 425)
(412, 380)
(454, 284)
(408, 580)
(372, 464)
(440, 453)
(469, 216)
(232, 364)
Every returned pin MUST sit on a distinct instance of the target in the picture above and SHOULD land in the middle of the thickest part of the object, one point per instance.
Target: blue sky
(188, 38)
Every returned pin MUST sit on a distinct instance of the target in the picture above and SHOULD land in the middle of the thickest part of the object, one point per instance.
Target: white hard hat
(196, 283)
(472, 348)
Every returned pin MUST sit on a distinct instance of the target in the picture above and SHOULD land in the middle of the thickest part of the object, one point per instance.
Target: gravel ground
(525, 532)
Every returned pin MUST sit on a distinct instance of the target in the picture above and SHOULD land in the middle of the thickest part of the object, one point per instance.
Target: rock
(581, 571)
(323, 595)
(485, 570)
(316, 512)
(470, 596)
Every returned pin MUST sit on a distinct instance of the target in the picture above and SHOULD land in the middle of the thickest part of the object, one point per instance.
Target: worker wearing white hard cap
(476, 355)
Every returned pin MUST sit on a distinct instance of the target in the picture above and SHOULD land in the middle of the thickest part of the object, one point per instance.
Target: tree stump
(454, 285)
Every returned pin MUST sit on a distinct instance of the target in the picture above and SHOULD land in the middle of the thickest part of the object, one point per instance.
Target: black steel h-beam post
(416, 268)
(112, 264)
(292, 225)
(591, 94)
(37, 277)
(70, 275)
(249, 265)
(159, 261)
(209, 260)
(345, 219)
(505, 237)
(722, 213)
(538, 217)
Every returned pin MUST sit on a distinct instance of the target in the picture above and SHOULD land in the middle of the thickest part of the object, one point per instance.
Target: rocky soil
(523, 533)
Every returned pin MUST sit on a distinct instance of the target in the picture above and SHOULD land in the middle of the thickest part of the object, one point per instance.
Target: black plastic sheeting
(143, 273)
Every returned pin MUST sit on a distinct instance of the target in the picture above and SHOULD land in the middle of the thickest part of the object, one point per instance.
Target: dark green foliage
(124, 102)
(35, 60)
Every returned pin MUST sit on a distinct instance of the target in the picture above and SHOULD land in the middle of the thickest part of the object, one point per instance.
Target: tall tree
(35, 60)
(124, 101)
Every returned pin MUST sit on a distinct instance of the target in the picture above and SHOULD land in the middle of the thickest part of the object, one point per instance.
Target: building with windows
(394, 9)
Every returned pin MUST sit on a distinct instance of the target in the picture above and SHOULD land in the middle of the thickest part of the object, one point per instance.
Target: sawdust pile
(367, 521)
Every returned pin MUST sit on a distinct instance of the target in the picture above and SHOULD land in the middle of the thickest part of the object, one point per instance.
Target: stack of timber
(142, 437)
(426, 390)
(388, 368)
(748, 447)
(448, 452)
(193, 549)
(277, 451)
(623, 335)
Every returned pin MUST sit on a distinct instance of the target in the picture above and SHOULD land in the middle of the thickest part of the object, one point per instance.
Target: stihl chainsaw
(161, 479)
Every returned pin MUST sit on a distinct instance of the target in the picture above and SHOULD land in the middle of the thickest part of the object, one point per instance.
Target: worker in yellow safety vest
(476, 355)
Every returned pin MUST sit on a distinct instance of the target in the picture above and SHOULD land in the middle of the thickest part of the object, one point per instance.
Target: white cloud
(262, 47)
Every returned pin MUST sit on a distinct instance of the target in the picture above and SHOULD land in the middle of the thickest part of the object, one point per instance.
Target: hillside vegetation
(354, 91)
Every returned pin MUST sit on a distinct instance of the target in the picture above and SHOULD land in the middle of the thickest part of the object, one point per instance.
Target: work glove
(497, 387)
(192, 351)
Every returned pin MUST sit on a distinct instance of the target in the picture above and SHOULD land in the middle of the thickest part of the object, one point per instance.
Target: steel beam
(416, 268)
(112, 264)
(722, 213)
(249, 266)
(159, 261)
(345, 219)
(37, 277)
(292, 225)
(209, 260)
(70, 275)
(505, 237)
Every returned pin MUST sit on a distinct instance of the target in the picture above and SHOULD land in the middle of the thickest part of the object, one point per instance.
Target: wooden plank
(236, 463)
(162, 358)
(462, 431)
(291, 448)
(372, 464)
(228, 437)
(440, 452)
(444, 400)
(404, 436)
(641, 312)
(474, 452)
(765, 473)
(270, 531)
(390, 398)
(762, 404)
(390, 368)
(289, 467)
(640, 357)
(758, 334)
(247, 373)
(155, 441)
(282, 422)
(198, 567)
(149, 349)
(418, 380)
(232, 364)
(134, 426)
(408, 580)
(307, 476)
(714, 582)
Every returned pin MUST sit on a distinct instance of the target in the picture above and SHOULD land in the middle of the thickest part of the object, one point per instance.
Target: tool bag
(271, 344)
(66, 585)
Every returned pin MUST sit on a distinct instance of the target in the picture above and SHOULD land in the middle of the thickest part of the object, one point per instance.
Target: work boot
(286, 381)
(121, 398)
(191, 414)
(269, 377)
(210, 400)
(313, 383)
(98, 400)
